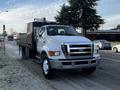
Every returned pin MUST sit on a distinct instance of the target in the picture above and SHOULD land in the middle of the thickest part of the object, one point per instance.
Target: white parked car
(116, 48)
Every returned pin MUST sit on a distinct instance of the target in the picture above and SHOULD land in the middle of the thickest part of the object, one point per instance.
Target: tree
(80, 14)
(64, 15)
(118, 26)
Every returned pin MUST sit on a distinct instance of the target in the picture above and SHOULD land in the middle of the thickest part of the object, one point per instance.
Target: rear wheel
(89, 70)
(46, 68)
(23, 52)
(115, 49)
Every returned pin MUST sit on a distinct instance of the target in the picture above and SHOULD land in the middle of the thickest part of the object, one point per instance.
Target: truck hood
(70, 39)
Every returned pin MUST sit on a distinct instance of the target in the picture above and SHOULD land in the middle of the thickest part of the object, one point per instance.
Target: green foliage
(80, 13)
(118, 26)
(64, 16)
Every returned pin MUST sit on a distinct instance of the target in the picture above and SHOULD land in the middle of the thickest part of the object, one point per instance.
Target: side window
(42, 30)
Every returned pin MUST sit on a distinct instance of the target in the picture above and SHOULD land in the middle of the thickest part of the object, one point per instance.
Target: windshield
(61, 30)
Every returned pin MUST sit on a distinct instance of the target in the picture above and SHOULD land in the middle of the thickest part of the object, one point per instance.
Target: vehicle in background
(116, 48)
(16, 37)
(58, 47)
(10, 38)
(102, 44)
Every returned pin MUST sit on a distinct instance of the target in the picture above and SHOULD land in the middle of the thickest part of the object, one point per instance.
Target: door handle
(44, 42)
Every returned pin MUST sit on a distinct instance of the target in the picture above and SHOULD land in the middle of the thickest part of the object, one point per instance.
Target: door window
(42, 30)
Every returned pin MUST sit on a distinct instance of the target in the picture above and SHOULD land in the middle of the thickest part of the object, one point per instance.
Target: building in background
(110, 35)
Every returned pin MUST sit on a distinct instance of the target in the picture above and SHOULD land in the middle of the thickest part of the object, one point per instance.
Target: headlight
(96, 49)
(100, 45)
(53, 53)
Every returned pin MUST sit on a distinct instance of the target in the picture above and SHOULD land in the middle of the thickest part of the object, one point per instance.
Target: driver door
(40, 39)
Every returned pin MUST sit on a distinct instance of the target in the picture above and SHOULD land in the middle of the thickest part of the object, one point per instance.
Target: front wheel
(47, 71)
(89, 70)
(115, 49)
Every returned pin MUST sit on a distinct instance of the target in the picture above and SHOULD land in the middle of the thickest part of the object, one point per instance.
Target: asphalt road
(106, 77)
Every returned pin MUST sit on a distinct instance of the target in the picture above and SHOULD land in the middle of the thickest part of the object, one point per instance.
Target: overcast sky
(22, 11)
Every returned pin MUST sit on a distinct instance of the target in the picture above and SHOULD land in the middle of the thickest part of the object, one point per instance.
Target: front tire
(115, 49)
(89, 70)
(98, 47)
(46, 68)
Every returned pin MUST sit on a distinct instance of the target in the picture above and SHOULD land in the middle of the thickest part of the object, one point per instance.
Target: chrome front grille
(77, 50)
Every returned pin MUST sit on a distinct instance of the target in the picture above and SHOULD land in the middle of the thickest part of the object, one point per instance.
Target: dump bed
(29, 39)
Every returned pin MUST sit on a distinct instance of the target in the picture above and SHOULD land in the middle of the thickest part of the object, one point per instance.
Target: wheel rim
(45, 66)
(115, 50)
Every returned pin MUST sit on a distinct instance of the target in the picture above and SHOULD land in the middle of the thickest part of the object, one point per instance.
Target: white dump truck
(58, 46)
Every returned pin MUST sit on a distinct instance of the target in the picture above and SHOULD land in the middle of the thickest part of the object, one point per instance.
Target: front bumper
(74, 64)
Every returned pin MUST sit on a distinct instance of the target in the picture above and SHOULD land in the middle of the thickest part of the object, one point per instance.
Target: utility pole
(4, 34)
(4, 31)
(102, 26)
